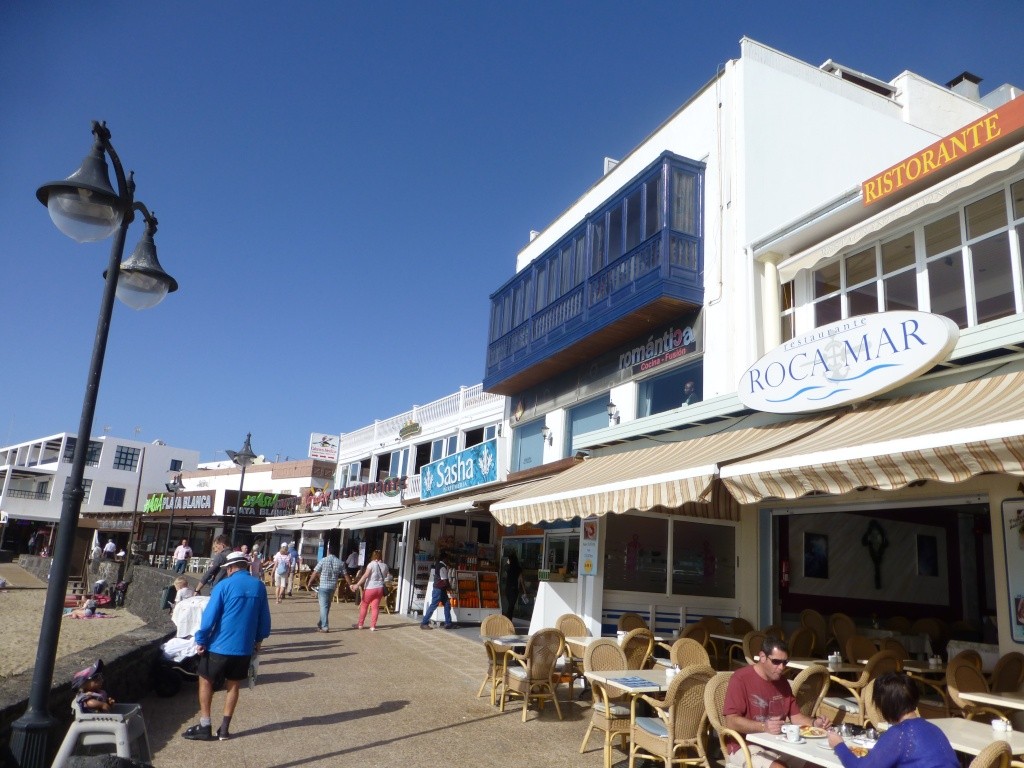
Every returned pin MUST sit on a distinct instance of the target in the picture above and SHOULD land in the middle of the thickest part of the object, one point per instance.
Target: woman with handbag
(374, 577)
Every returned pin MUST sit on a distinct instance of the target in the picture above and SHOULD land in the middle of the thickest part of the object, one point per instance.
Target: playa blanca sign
(847, 361)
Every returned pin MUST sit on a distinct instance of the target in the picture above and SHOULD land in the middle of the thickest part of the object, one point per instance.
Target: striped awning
(676, 478)
(949, 435)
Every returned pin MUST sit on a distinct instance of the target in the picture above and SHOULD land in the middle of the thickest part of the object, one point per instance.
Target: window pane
(828, 311)
(567, 282)
(901, 291)
(541, 287)
(587, 417)
(993, 278)
(703, 559)
(614, 233)
(826, 280)
(633, 211)
(1017, 195)
(636, 555)
(986, 215)
(671, 390)
(946, 287)
(652, 219)
(597, 247)
(684, 202)
(860, 267)
(788, 327)
(517, 304)
(942, 235)
(863, 300)
(553, 271)
(898, 253)
(528, 446)
(788, 300)
(581, 259)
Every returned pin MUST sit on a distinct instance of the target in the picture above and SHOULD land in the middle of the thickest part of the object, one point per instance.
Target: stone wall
(128, 658)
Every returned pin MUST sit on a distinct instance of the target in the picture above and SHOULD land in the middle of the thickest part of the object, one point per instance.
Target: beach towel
(96, 615)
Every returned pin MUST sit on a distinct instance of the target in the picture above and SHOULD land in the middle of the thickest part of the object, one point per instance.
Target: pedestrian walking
(282, 566)
(182, 554)
(439, 595)
(215, 573)
(293, 558)
(325, 578)
(374, 577)
(352, 563)
(235, 623)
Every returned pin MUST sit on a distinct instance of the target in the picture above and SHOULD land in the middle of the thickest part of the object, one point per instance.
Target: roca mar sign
(847, 361)
(466, 469)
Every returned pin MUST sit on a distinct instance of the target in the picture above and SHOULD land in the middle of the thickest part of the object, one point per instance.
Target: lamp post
(243, 459)
(173, 487)
(86, 208)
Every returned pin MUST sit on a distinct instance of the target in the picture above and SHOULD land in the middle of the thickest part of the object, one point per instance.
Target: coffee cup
(999, 725)
(620, 634)
(791, 732)
(670, 673)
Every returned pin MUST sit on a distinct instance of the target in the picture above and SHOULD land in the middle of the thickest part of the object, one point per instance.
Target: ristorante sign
(992, 131)
(847, 361)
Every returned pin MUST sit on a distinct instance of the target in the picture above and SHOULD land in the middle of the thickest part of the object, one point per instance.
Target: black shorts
(217, 666)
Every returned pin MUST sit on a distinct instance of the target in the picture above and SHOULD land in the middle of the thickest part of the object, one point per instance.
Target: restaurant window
(175, 465)
(703, 559)
(652, 206)
(584, 418)
(684, 202)
(528, 446)
(481, 435)
(126, 458)
(636, 553)
(964, 264)
(114, 497)
(679, 387)
(787, 302)
(443, 447)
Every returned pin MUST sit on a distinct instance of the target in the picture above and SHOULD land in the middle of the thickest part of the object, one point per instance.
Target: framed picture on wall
(1013, 541)
(927, 555)
(815, 556)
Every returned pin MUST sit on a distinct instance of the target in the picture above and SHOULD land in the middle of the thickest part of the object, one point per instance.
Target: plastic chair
(121, 732)
(610, 711)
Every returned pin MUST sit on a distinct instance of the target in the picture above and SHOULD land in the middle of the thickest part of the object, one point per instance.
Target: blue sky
(340, 186)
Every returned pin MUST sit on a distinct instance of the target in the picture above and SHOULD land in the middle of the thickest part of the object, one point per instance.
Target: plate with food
(812, 732)
(858, 751)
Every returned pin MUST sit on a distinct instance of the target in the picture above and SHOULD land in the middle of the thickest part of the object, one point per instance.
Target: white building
(119, 475)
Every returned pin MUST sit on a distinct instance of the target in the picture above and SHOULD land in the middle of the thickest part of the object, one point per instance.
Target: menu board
(588, 565)
(1013, 540)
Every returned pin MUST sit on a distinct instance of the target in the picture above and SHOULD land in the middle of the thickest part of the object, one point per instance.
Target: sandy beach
(21, 609)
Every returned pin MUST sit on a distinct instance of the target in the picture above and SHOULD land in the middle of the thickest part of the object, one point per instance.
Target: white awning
(948, 435)
(334, 520)
(919, 203)
(283, 523)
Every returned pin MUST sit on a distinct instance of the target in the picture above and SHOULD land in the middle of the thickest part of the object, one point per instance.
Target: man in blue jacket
(235, 623)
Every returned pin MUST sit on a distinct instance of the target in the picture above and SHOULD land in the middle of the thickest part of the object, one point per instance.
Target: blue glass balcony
(635, 263)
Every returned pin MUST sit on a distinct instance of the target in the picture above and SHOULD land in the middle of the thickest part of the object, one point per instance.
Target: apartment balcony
(636, 263)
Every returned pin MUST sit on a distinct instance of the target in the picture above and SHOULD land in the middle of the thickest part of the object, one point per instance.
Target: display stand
(477, 594)
(420, 587)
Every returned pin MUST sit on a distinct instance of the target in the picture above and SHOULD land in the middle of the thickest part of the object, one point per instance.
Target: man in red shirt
(760, 700)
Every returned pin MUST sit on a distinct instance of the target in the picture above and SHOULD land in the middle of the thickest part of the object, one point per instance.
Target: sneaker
(425, 626)
(222, 734)
(373, 629)
(198, 733)
(319, 625)
(449, 626)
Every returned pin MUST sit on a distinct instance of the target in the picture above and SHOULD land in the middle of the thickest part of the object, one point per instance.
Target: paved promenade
(399, 696)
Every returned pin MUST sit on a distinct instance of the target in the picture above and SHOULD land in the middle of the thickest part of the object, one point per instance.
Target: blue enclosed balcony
(636, 262)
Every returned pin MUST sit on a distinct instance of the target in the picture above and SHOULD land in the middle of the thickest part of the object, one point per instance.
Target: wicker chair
(859, 649)
(714, 705)
(850, 708)
(899, 624)
(748, 650)
(774, 630)
(995, 755)
(571, 625)
(935, 630)
(697, 632)
(1008, 673)
(964, 678)
(894, 645)
(496, 625)
(673, 735)
(740, 626)
(637, 645)
(533, 680)
(842, 628)
(815, 622)
(967, 656)
(610, 711)
(685, 652)
(716, 648)
(631, 621)
(809, 688)
(801, 643)
(872, 714)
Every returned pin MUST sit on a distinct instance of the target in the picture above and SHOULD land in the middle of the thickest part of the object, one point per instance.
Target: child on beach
(86, 608)
(89, 684)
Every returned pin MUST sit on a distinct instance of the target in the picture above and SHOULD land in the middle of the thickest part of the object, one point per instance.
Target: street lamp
(173, 487)
(243, 459)
(86, 208)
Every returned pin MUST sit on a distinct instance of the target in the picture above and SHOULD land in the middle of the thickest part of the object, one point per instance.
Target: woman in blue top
(910, 741)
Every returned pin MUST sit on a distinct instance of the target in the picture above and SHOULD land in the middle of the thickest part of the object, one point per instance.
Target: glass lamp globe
(83, 214)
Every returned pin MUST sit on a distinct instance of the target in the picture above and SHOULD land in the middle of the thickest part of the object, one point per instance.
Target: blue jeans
(179, 566)
(438, 596)
(325, 596)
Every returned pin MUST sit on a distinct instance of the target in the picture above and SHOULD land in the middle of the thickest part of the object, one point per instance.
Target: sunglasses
(778, 662)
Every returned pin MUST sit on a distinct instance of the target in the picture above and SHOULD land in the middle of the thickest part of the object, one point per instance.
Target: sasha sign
(847, 361)
(466, 469)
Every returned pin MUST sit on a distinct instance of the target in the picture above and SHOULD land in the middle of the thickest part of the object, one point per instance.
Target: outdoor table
(728, 637)
(972, 736)
(842, 668)
(632, 681)
(923, 669)
(509, 642)
(997, 700)
(812, 750)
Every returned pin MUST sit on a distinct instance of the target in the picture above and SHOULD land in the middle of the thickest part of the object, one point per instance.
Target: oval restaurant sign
(847, 361)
